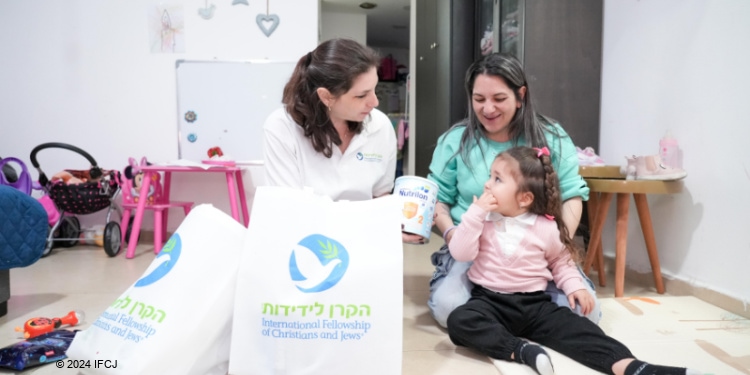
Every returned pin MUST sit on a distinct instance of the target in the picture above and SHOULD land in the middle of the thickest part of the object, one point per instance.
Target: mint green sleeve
(443, 167)
(571, 183)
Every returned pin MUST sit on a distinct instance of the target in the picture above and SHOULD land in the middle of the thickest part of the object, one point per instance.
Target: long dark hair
(526, 121)
(333, 65)
(537, 176)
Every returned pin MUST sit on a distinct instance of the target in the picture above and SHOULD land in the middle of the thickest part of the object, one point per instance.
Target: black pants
(492, 323)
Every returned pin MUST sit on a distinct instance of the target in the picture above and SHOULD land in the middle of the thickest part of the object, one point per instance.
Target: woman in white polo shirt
(329, 136)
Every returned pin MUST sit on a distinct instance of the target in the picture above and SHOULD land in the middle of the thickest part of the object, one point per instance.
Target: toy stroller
(78, 192)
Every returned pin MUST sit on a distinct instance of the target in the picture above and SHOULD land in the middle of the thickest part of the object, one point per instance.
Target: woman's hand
(584, 298)
(412, 238)
(415, 238)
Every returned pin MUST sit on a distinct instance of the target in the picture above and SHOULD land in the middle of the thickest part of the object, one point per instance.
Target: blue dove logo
(164, 262)
(360, 156)
(317, 263)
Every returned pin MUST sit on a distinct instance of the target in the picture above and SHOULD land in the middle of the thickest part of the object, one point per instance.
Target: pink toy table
(235, 187)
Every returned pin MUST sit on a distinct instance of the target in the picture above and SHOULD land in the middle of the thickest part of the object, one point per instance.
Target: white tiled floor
(84, 278)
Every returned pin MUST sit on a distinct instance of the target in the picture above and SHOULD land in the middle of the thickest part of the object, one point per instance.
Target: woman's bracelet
(445, 234)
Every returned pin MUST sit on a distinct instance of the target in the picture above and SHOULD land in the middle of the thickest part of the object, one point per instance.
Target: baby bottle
(669, 151)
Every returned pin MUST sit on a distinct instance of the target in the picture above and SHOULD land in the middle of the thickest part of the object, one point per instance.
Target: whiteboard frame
(231, 100)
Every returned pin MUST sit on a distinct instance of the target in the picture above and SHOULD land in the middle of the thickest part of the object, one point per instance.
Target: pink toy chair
(156, 203)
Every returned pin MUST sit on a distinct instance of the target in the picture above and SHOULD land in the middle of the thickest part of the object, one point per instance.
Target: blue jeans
(450, 287)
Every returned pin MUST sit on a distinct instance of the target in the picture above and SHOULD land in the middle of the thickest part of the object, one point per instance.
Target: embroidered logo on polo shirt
(371, 157)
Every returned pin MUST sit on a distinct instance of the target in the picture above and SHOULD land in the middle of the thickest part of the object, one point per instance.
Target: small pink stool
(157, 202)
(235, 188)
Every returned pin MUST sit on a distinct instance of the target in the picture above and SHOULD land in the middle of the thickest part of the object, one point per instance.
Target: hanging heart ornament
(267, 23)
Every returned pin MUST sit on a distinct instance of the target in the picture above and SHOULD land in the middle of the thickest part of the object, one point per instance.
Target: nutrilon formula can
(419, 197)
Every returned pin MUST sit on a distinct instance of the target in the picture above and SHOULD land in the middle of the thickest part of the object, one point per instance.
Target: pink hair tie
(541, 151)
(548, 216)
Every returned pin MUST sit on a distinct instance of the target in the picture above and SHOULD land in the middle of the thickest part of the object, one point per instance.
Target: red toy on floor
(39, 326)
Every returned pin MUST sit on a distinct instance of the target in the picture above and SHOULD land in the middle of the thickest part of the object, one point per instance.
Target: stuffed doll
(67, 178)
(134, 173)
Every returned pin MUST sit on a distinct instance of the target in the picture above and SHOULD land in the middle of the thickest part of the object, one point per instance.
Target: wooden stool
(603, 182)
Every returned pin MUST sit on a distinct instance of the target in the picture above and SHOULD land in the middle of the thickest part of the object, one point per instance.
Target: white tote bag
(176, 318)
(320, 287)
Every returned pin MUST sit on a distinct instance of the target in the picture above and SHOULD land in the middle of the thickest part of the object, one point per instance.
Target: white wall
(343, 25)
(682, 65)
(82, 72)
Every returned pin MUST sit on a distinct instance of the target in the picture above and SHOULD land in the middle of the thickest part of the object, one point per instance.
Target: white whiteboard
(231, 101)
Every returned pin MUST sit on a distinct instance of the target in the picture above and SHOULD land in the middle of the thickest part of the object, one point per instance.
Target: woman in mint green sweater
(502, 116)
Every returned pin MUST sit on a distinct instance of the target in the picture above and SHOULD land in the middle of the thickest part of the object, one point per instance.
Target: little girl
(518, 242)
